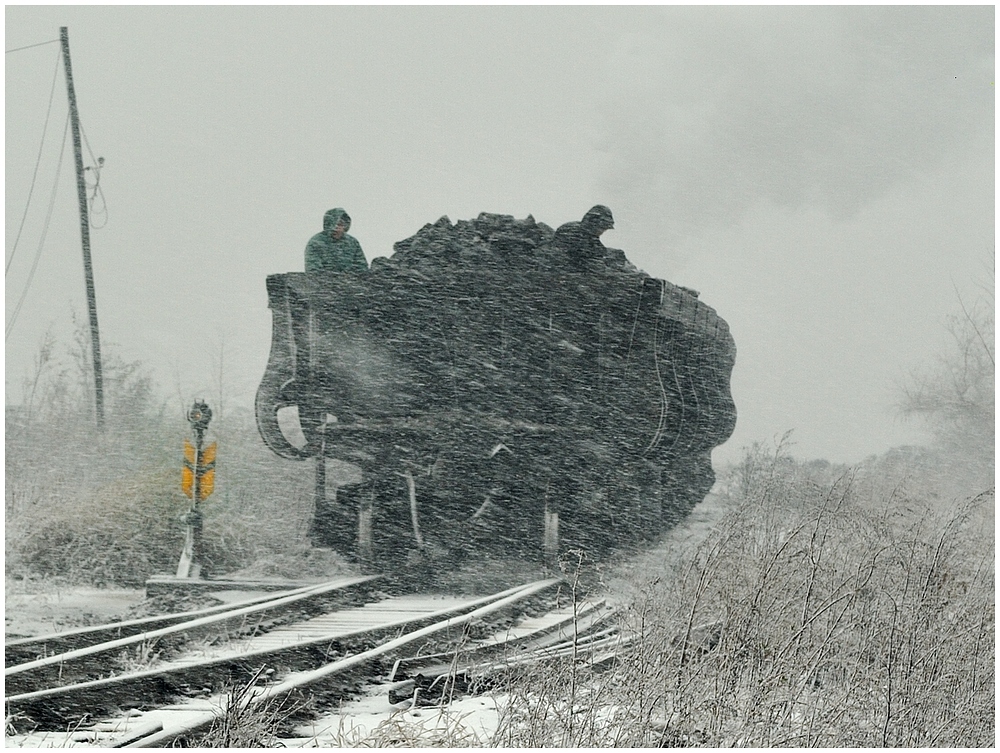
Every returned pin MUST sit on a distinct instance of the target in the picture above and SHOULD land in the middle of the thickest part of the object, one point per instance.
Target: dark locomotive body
(490, 390)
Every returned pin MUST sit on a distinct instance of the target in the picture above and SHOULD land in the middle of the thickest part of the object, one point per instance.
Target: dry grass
(814, 614)
(438, 728)
(243, 723)
(106, 510)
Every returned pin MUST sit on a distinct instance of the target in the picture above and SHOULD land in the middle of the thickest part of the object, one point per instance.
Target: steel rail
(299, 682)
(146, 685)
(576, 623)
(22, 650)
(424, 671)
(19, 677)
(602, 650)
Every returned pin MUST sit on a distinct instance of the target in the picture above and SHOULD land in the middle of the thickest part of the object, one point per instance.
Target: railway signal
(198, 472)
(197, 483)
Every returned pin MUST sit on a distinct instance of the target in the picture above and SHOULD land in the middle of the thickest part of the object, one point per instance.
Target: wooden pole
(81, 192)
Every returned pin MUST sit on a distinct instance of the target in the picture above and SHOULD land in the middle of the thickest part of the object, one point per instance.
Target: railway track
(166, 680)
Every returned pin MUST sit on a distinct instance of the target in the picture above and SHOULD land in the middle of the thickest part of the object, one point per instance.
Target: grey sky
(824, 176)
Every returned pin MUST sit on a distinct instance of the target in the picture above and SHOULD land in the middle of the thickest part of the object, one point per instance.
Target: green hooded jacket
(324, 254)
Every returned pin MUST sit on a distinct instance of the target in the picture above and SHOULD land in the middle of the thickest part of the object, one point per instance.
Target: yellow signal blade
(208, 454)
(206, 484)
(189, 452)
(187, 480)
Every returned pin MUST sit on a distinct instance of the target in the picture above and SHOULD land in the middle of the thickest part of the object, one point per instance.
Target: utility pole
(88, 272)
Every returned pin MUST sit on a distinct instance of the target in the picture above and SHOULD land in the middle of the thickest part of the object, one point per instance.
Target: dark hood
(332, 217)
(598, 218)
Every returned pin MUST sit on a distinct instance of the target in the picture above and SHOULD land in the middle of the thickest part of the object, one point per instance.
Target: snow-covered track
(318, 657)
(579, 628)
(23, 650)
(87, 650)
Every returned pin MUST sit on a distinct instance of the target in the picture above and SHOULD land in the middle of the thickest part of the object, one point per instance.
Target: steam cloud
(824, 107)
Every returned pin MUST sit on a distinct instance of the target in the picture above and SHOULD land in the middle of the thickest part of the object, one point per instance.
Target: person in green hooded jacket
(333, 250)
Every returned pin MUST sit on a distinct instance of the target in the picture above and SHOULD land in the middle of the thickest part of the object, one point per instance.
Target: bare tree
(956, 393)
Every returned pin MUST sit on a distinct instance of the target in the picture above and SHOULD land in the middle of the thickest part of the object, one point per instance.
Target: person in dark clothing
(582, 240)
(333, 250)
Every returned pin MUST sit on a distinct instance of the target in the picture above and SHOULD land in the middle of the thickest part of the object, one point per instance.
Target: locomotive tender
(499, 400)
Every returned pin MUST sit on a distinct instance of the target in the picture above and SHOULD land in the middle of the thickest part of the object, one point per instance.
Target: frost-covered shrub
(813, 614)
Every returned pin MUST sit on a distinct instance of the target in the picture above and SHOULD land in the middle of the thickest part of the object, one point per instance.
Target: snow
(469, 721)
(43, 613)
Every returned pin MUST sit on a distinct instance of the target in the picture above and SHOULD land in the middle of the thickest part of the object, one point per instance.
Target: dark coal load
(504, 392)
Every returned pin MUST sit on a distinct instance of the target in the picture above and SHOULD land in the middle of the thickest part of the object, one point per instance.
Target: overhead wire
(38, 161)
(29, 46)
(45, 231)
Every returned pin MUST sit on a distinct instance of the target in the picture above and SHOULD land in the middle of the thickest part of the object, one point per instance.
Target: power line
(45, 231)
(29, 46)
(34, 175)
(97, 164)
(86, 143)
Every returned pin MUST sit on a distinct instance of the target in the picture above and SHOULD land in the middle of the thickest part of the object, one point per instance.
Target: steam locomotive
(498, 399)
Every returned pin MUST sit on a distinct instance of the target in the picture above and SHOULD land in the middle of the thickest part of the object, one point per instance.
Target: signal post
(197, 483)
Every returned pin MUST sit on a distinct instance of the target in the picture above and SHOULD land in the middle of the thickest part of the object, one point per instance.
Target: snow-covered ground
(58, 609)
(466, 722)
